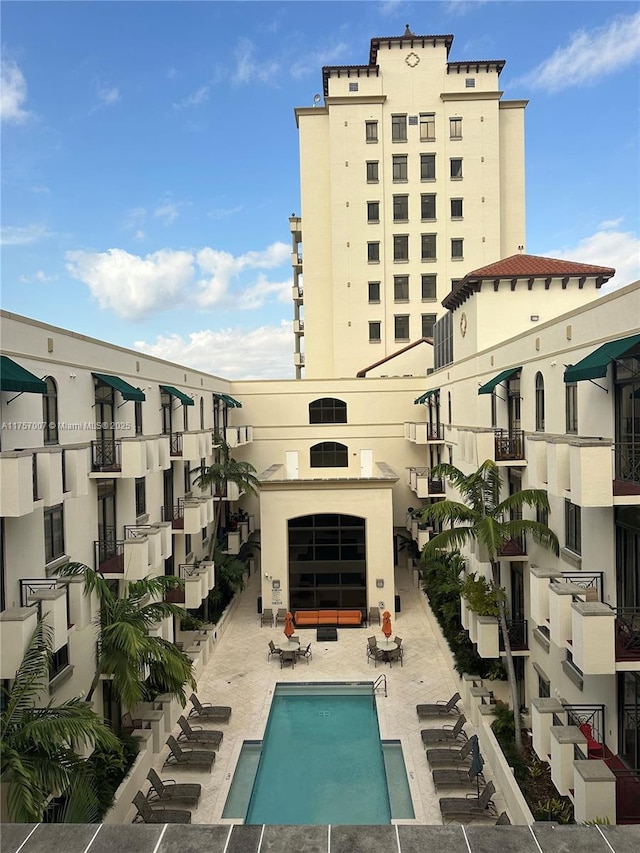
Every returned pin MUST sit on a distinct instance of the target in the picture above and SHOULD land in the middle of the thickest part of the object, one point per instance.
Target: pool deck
(238, 674)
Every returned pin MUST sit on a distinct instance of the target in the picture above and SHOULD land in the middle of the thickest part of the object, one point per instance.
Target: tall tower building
(412, 174)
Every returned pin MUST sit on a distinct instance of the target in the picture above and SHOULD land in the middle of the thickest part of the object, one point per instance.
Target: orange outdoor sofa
(339, 618)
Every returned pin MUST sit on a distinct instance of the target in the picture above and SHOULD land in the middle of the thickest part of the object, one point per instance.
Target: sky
(150, 154)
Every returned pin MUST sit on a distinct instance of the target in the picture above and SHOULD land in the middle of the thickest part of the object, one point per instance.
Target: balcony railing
(175, 444)
(509, 444)
(106, 455)
(174, 514)
(435, 432)
(592, 581)
(31, 586)
(627, 460)
(109, 554)
(627, 633)
(518, 636)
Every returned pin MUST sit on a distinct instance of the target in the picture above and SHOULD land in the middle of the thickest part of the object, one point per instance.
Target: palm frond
(32, 676)
(539, 532)
(534, 498)
(453, 538)
(449, 511)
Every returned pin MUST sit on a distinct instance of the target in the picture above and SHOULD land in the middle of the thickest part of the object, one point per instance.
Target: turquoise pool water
(321, 761)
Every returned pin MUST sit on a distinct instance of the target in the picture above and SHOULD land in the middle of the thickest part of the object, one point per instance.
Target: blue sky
(150, 154)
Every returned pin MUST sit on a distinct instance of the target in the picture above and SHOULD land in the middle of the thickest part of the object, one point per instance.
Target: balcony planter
(594, 791)
(539, 592)
(563, 739)
(593, 630)
(542, 714)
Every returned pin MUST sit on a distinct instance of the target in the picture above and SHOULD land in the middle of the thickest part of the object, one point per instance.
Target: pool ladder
(379, 683)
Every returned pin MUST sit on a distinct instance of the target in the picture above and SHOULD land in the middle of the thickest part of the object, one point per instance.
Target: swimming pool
(321, 761)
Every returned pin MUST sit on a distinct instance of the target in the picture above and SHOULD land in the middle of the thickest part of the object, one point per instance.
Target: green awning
(595, 365)
(16, 378)
(488, 387)
(231, 402)
(424, 397)
(128, 391)
(184, 398)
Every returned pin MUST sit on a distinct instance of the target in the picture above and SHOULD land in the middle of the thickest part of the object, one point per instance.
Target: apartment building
(411, 174)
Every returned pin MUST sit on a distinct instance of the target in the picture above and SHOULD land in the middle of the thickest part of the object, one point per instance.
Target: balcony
(508, 445)
(236, 436)
(518, 636)
(590, 474)
(298, 359)
(423, 485)
(424, 433)
(16, 483)
(627, 469)
(196, 445)
(174, 514)
(175, 444)
(52, 600)
(297, 294)
(106, 456)
(153, 538)
(16, 629)
(296, 261)
(109, 554)
(627, 634)
(50, 476)
(298, 327)
(122, 458)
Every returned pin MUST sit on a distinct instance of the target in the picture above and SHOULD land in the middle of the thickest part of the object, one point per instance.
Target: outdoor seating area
(385, 650)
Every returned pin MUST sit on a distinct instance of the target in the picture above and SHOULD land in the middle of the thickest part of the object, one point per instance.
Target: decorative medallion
(412, 59)
(463, 324)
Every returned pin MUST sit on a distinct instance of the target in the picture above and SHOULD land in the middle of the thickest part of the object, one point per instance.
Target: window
(329, 454)
(544, 685)
(187, 544)
(141, 496)
(201, 412)
(427, 167)
(400, 247)
(371, 131)
(457, 247)
(401, 288)
(470, 83)
(373, 253)
(428, 322)
(443, 341)
(373, 211)
(185, 417)
(539, 403)
(187, 477)
(53, 533)
(372, 171)
(353, 87)
(494, 410)
(455, 282)
(427, 127)
(456, 168)
(542, 515)
(327, 411)
(571, 407)
(400, 208)
(203, 534)
(374, 291)
(50, 411)
(374, 331)
(456, 208)
(165, 407)
(455, 128)
(428, 206)
(59, 661)
(401, 327)
(399, 128)
(137, 415)
(428, 242)
(428, 287)
(399, 162)
(449, 407)
(572, 527)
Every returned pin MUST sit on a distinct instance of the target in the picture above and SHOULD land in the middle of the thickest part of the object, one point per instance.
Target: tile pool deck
(238, 674)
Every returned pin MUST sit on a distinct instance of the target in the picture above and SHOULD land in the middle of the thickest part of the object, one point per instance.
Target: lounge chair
(168, 790)
(447, 757)
(304, 653)
(439, 709)
(455, 778)
(210, 738)
(219, 713)
(266, 617)
(468, 808)
(274, 651)
(453, 733)
(159, 815)
(188, 757)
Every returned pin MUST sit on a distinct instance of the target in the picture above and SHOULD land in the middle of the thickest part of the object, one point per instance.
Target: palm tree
(125, 647)
(226, 470)
(487, 520)
(39, 746)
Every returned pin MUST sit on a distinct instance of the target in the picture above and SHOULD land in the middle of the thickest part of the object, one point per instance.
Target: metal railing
(175, 444)
(187, 570)
(588, 718)
(508, 444)
(627, 633)
(106, 454)
(31, 586)
(109, 553)
(174, 514)
(518, 636)
(434, 486)
(588, 580)
(435, 432)
(627, 461)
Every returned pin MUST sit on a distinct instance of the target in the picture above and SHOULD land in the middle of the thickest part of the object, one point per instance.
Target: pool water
(321, 761)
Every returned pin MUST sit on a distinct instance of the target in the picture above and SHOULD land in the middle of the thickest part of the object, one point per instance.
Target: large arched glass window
(50, 411)
(329, 454)
(539, 402)
(328, 411)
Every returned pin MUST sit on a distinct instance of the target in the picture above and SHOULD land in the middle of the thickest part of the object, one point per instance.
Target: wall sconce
(268, 577)
(72, 376)
(535, 318)
(381, 605)
(380, 583)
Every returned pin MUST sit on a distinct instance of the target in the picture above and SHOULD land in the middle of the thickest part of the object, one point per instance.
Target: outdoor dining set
(290, 651)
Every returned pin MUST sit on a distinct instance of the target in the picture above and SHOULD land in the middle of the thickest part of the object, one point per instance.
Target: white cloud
(607, 248)
(108, 94)
(257, 294)
(13, 93)
(194, 99)
(224, 212)
(168, 212)
(40, 190)
(40, 277)
(461, 7)
(130, 285)
(222, 267)
(248, 68)
(315, 59)
(234, 353)
(389, 7)
(13, 235)
(590, 55)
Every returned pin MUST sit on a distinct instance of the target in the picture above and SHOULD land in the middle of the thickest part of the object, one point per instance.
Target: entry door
(106, 518)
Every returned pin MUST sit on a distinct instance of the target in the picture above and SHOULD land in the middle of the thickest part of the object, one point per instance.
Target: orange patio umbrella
(386, 624)
(288, 625)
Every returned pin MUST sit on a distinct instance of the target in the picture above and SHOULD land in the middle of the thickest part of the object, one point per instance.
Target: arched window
(50, 411)
(328, 411)
(329, 454)
(539, 402)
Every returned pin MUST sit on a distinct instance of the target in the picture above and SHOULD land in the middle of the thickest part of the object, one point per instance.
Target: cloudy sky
(150, 154)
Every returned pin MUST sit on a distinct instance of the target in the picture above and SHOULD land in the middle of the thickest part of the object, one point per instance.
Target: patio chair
(188, 757)
(266, 617)
(440, 708)
(281, 615)
(374, 616)
(168, 790)
(159, 815)
(190, 734)
(304, 653)
(468, 808)
(455, 778)
(398, 641)
(453, 733)
(274, 651)
(288, 656)
(394, 655)
(444, 756)
(219, 713)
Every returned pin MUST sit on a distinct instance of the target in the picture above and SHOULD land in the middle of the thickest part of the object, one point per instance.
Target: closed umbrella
(477, 761)
(386, 624)
(288, 625)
